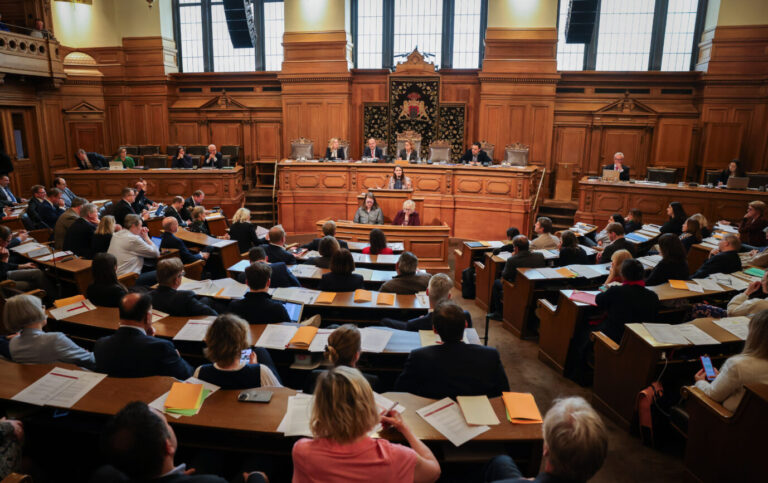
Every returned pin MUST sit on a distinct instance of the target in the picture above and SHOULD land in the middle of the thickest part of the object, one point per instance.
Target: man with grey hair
(65, 221)
(618, 165)
(212, 159)
(438, 291)
(407, 281)
(575, 446)
(79, 237)
(170, 240)
(87, 160)
(131, 246)
(275, 250)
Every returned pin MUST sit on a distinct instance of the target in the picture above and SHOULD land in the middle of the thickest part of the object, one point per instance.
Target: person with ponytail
(342, 349)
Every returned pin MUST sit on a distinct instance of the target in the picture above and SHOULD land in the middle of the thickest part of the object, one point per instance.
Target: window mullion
(261, 34)
(590, 49)
(657, 34)
(483, 29)
(388, 33)
(208, 66)
(701, 14)
(446, 41)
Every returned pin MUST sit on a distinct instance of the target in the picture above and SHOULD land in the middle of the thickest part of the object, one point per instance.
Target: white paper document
(261, 232)
(235, 290)
(694, 287)
(665, 334)
(296, 294)
(374, 340)
(446, 417)
(708, 284)
(159, 403)
(585, 271)
(62, 313)
(495, 244)
(297, 416)
(220, 243)
(367, 273)
(359, 257)
(505, 255)
(423, 299)
(387, 259)
(60, 387)
(276, 336)
(157, 315)
(27, 247)
(548, 254)
(695, 335)
(738, 326)
(430, 337)
(320, 340)
(726, 228)
(194, 330)
(51, 256)
(305, 271)
(549, 272)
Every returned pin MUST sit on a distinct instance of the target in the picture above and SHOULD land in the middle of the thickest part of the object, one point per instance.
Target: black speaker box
(582, 15)
(242, 28)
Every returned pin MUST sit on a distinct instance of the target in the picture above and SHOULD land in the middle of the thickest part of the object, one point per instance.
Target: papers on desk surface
(27, 247)
(51, 256)
(296, 294)
(477, 410)
(695, 335)
(651, 228)
(423, 299)
(548, 254)
(235, 290)
(585, 297)
(367, 273)
(374, 340)
(521, 407)
(215, 288)
(195, 329)
(728, 280)
(60, 387)
(358, 257)
(297, 415)
(682, 334)
(320, 341)
(430, 337)
(387, 259)
(221, 243)
(505, 255)
(72, 309)
(650, 261)
(159, 403)
(726, 228)
(157, 315)
(587, 271)
(493, 244)
(446, 417)
(708, 284)
(305, 271)
(738, 326)
(276, 336)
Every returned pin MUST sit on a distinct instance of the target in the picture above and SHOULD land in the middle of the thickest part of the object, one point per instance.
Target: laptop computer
(157, 241)
(294, 310)
(737, 183)
(114, 165)
(611, 175)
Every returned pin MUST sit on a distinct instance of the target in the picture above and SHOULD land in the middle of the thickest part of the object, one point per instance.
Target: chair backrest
(757, 179)
(345, 146)
(154, 162)
(663, 175)
(196, 159)
(170, 149)
(107, 209)
(440, 150)
(194, 270)
(413, 136)
(197, 149)
(711, 175)
(148, 149)
(129, 150)
(228, 161)
(302, 148)
(382, 144)
(128, 279)
(233, 151)
(488, 148)
(516, 154)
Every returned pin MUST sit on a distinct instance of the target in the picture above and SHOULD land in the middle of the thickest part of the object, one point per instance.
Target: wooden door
(87, 135)
(629, 141)
(21, 143)
(226, 134)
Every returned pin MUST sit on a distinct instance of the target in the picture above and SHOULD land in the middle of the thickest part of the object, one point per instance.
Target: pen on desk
(390, 409)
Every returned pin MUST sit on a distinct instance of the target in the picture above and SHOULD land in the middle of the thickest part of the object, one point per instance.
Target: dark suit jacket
(6, 166)
(482, 157)
(724, 262)
(5, 200)
(130, 353)
(419, 323)
(186, 210)
(672, 226)
(259, 308)
(282, 277)
(205, 163)
(279, 254)
(404, 156)
(170, 240)
(96, 159)
(122, 208)
(623, 176)
(333, 282)
(315, 244)
(339, 153)
(245, 234)
(105, 295)
(33, 211)
(406, 284)
(626, 304)
(454, 369)
(141, 202)
(184, 162)
(100, 243)
(631, 226)
(49, 213)
(379, 154)
(171, 211)
(667, 270)
(572, 256)
(79, 239)
(617, 244)
(178, 303)
(526, 259)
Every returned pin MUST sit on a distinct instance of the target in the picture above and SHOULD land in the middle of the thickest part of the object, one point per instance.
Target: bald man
(213, 158)
(276, 249)
(170, 240)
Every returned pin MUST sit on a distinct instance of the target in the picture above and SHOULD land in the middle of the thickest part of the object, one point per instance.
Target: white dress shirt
(130, 251)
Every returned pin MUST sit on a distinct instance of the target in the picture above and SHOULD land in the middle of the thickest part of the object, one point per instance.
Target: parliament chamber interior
(383, 240)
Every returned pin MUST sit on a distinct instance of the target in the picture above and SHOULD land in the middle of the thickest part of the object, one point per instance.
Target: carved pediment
(83, 107)
(626, 107)
(415, 63)
(222, 102)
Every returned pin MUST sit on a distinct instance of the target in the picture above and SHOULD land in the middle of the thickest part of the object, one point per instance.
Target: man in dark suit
(190, 203)
(275, 250)
(90, 160)
(141, 445)
(66, 194)
(167, 298)
(133, 351)
(79, 237)
(373, 152)
(7, 197)
(615, 233)
(212, 159)
(125, 206)
(257, 307)
(51, 208)
(174, 210)
(452, 368)
(34, 204)
(522, 257)
(281, 276)
(170, 240)
(475, 155)
(141, 202)
(329, 229)
(618, 165)
(407, 281)
(724, 259)
(438, 291)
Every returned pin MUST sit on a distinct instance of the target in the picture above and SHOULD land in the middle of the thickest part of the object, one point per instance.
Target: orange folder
(303, 337)
(67, 301)
(521, 408)
(678, 284)
(565, 272)
(362, 296)
(325, 297)
(184, 396)
(385, 299)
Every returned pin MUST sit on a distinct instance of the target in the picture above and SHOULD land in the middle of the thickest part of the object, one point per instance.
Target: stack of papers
(57, 255)
(374, 340)
(281, 336)
(303, 337)
(548, 254)
(430, 337)
(194, 330)
(586, 271)
(683, 334)
(505, 255)
(62, 313)
(477, 410)
(60, 387)
(650, 261)
(325, 298)
(584, 297)
(726, 228)
(738, 326)
(320, 341)
(636, 237)
(728, 280)
(297, 416)
(423, 299)
(367, 273)
(184, 399)
(28, 247)
(708, 284)
(755, 272)
(446, 417)
(296, 294)
(686, 285)
(277, 336)
(305, 271)
(160, 402)
(387, 259)
(223, 287)
(521, 408)
(157, 315)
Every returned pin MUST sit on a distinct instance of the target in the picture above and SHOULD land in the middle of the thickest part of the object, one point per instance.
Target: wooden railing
(30, 56)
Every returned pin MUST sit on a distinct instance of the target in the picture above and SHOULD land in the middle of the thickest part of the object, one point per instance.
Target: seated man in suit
(512, 232)
(212, 159)
(276, 249)
(544, 239)
(438, 291)
(618, 165)
(334, 150)
(575, 446)
(190, 203)
(175, 209)
(615, 233)
(723, 259)
(373, 152)
(522, 258)
(475, 155)
(170, 240)
(90, 160)
(79, 237)
(281, 276)
(329, 229)
(133, 351)
(257, 307)
(66, 194)
(124, 207)
(131, 246)
(33, 207)
(51, 208)
(7, 197)
(141, 445)
(407, 281)
(167, 298)
(141, 202)
(65, 221)
(452, 368)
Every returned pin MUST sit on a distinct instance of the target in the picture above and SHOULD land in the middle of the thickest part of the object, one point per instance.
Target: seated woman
(342, 349)
(677, 217)
(752, 226)
(327, 247)
(408, 215)
(341, 278)
(182, 160)
(749, 367)
(703, 225)
(127, 161)
(618, 257)
(570, 251)
(408, 153)
(633, 221)
(343, 414)
(752, 300)
(334, 150)
(25, 313)
(197, 222)
(377, 244)
(734, 170)
(244, 231)
(673, 264)
(103, 234)
(227, 337)
(399, 181)
(602, 237)
(370, 212)
(106, 290)
(691, 234)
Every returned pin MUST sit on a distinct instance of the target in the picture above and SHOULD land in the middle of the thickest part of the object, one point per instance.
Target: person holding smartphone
(748, 367)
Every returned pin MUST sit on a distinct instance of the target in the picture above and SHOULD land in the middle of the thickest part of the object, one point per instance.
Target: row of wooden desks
(310, 275)
(217, 225)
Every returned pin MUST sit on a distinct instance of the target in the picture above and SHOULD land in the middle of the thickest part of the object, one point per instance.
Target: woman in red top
(752, 225)
(378, 244)
(407, 216)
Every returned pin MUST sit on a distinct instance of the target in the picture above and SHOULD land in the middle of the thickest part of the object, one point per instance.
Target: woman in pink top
(344, 413)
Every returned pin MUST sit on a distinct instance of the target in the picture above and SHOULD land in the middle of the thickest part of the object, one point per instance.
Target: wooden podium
(391, 201)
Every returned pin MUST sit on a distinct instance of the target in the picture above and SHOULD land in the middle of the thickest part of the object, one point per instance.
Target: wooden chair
(128, 279)
(724, 445)
(516, 154)
(231, 151)
(194, 270)
(711, 175)
(382, 144)
(663, 175)
(17, 478)
(42, 236)
(228, 161)
(129, 150)
(488, 148)
(302, 148)
(344, 144)
(440, 150)
(156, 161)
(197, 150)
(149, 149)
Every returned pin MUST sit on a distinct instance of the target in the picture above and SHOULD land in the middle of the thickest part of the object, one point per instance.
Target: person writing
(212, 159)
(181, 159)
(618, 165)
(342, 349)
(408, 215)
(373, 152)
(334, 150)
(398, 180)
(408, 153)
(475, 155)
(734, 170)
(369, 213)
(123, 157)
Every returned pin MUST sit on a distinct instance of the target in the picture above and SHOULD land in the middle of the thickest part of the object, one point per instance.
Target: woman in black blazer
(633, 221)
(327, 247)
(334, 150)
(181, 159)
(244, 231)
(673, 264)
(677, 217)
(341, 278)
(734, 169)
(570, 251)
(106, 290)
(691, 233)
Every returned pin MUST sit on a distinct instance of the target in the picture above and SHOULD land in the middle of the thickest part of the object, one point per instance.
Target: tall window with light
(225, 57)
(370, 22)
(678, 35)
(624, 39)
(274, 27)
(418, 24)
(466, 34)
(191, 35)
(569, 56)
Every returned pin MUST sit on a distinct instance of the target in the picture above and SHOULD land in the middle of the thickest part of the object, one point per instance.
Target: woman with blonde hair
(703, 224)
(343, 413)
(103, 234)
(334, 150)
(749, 367)
(197, 221)
(342, 349)
(244, 231)
(408, 216)
(617, 259)
(226, 339)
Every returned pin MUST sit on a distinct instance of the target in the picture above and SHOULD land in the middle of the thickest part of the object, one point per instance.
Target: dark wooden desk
(466, 256)
(391, 201)
(377, 278)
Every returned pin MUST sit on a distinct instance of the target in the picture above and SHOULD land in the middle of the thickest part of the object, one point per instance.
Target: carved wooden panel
(539, 139)
(157, 123)
(425, 183)
(372, 180)
(570, 145)
(139, 132)
(306, 180)
(498, 187)
(628, 141)
(87, 135)
(647, 203)
(268, 140)
(612, 202)
(114, 128)
(335, 181)
(427, 250)
(722, 141)
(515, 131)
(469, 185)
(211, 188)
(226, 133)
(176, 187)
(54, 133)
(673, 143)
(184, 133)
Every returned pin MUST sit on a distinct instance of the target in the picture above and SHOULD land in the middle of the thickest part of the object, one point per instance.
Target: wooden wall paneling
(184, 133)
(540, 135)
(721, 143)
(55, 138)
(268, 141)
(673, 143)
(139, 133)
(158, 123)
(88, 135)
(115, 128)
(226, 133)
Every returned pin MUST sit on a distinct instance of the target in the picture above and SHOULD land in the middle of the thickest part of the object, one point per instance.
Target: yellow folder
(362, 296)
(325, 297)
(67, 301)
(521, 407)
(303, 337)
(184, 396)
(385, 299)
(678, 284)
